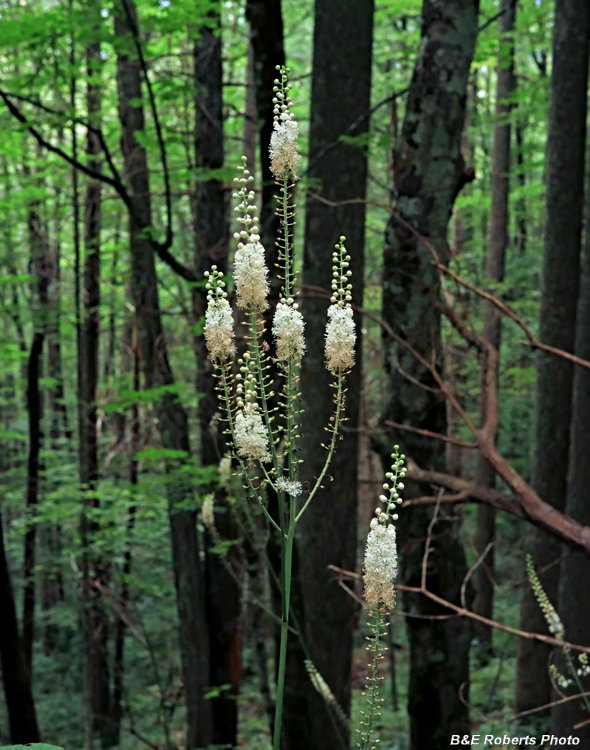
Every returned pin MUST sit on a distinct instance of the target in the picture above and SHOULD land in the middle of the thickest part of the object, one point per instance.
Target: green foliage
(35, 44)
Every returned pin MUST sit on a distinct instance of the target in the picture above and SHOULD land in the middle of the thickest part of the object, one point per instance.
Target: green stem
(262, 389)
(242, 464)
(372, 699)
(276, 745)
(331, 448)
(574, 673)
(286, 566)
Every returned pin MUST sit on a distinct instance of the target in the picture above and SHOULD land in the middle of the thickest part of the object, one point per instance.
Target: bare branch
(161, 145)
(114, 183)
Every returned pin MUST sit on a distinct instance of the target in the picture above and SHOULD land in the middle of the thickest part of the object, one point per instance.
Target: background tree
(339, 123)
(557, 322)
(430, 172)
(483, 578)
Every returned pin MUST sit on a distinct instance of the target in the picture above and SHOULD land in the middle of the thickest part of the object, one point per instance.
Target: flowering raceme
(380, 565)
(219, 321)
(340, 338)
(251, 436)
(250, 276)
(284, 159)
(287, 329)
(262, 406)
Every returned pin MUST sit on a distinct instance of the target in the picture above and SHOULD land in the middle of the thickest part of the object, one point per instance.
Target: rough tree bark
(170, 415)
(211, 241)
(561, 270)
(483, 576)
(340, 103)
(430, 173)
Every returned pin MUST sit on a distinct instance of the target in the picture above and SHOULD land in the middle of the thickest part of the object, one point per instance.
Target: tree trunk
(40, 264)
(211, 238)
(483, 576)
(574, 580)
(521, 205)
(16, 673)
(430, 174)
(250, 129)
(121, 628)
(266, 29)
(95, 569)
(561, 270)
(170, 415)
(340, 102)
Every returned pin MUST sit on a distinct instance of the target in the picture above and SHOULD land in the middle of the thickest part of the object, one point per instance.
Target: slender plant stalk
(373, 699)
(250, 417)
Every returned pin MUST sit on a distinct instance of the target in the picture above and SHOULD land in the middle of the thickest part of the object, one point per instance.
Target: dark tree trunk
(266, 30)
(40, 265)
(211, 238)
(340, 102)
(561, 271)
(51, 580)
(483, 576)
(16, 674)
(121, 628)
(95, 569)
(574, 581)
(430, 174)
(250, 130)
(266, 36)
(521, 207)
(170, 415)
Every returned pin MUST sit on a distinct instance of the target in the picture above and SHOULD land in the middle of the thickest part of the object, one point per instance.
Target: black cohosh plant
(557, 630)
(262, 437)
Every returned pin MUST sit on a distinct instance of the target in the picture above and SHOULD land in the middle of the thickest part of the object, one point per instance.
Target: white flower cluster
(340, 338)
(250, 271)
(560, 679)
(219, 321)
(584, 670)
(291, 488)
(287, 328)
(251, 435)
(207, 511)
(250, 276)
(340, 328)
(284, 158)
(380, 565)
(225, 471)
(552, 618)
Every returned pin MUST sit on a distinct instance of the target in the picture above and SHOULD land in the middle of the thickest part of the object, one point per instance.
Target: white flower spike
(287, 329)
(251, 436)
(340, 328)
(284, 158)
(219, 321)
